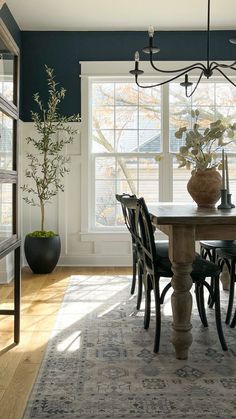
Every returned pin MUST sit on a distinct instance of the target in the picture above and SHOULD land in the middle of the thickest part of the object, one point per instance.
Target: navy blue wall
(64, 50)
(11, 24)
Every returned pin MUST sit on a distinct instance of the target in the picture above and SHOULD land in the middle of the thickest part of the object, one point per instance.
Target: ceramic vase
(204, 186)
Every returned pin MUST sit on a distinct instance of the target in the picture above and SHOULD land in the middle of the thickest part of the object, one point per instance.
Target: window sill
(111, 236)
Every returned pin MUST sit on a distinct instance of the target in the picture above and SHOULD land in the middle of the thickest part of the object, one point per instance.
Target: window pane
(127, 168)
(126, 117)
(126, 94)
(119, 215)
(126, 141)
(6, 143)
(6, 220)
(6, 73)
(105, 168)
(150, 97)
(149, 117)
(150, 191)
(225, 94)
(150, 141)
(179, 116)
(204, 95)
(148, 169)
(177, 96)
(127, 186)
(103, 94)
(103, 141)
(181, 177)
(103, 117)
(105, 202)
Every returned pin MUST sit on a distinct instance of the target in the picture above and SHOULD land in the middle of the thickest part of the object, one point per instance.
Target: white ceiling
(76, 15)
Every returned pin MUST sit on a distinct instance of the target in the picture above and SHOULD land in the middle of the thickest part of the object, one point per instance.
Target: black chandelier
(205, 69)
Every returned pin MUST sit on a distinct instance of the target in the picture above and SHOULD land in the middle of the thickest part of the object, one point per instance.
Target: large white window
(132, 142)
(126, 137)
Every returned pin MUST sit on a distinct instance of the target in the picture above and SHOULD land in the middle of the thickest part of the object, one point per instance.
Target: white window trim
(95, 71)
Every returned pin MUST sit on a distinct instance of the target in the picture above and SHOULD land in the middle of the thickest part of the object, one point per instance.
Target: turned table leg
(182, 254)
(225, 278)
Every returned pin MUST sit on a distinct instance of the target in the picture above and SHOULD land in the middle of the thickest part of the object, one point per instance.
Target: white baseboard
(94, 260)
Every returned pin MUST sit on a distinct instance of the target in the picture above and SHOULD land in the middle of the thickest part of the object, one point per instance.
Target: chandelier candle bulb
(151, 31)
(136, 56)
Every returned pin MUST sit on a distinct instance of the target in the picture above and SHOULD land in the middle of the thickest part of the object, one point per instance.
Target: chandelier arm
(216, 65)
(145, 87)
(199, 79)
(226, 77)
(199, 66)
(206, 69)
(166, 81)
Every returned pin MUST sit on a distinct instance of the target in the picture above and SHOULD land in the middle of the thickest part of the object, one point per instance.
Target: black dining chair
(129, 219)
(208, 250)
(227, 256)
(155, 267)
(162, 246)
(137, 261)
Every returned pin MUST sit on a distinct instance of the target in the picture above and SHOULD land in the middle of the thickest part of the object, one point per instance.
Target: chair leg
(147, 312)
(231, 293)
(212, 258)
(200, 303)
(211, 255)
(140, 286)
(233, 323)
(210, 301)
(218, 315)
(158, 318)
(134, 272)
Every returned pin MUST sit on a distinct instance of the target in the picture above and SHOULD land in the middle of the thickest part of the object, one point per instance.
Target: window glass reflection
(6, 142)
(6, 73)
(6, 219)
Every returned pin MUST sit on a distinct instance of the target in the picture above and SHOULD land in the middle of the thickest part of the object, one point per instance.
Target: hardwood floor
(41, 298)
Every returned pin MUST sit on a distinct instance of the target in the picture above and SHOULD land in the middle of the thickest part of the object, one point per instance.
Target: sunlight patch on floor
(71, 343)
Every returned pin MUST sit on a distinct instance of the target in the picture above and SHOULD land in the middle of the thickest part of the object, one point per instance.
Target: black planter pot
(42, 253)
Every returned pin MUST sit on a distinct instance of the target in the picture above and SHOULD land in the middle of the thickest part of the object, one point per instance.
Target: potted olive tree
(45, 172)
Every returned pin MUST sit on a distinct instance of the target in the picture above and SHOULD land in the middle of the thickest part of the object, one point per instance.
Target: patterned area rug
(100, 362)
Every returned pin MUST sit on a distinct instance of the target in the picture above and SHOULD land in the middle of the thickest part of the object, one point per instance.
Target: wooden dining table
(185, 224)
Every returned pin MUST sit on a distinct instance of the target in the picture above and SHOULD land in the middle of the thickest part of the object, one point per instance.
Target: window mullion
(165, 165)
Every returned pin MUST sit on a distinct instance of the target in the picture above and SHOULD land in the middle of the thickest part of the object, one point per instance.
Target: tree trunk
(42, 215)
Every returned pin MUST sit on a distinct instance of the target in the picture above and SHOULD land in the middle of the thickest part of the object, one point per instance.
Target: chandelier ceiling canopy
(206, 69)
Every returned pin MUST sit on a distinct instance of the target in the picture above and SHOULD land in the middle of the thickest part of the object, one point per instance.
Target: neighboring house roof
(152, 145)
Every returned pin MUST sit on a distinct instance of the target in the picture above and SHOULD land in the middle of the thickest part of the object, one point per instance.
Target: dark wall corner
(8, 19)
